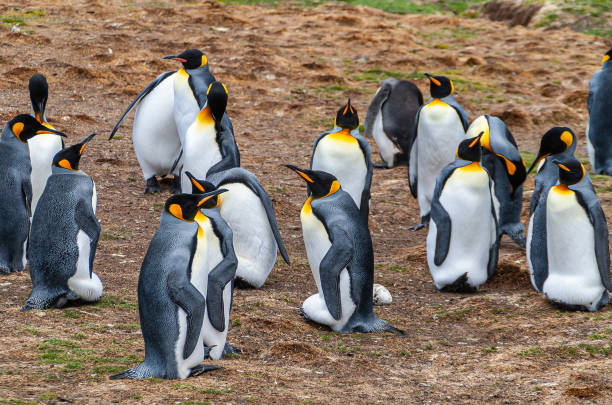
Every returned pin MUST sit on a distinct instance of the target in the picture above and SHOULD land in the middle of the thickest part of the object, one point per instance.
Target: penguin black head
(556, 140)
(186, 206)
(216, 97)
(440, 86)
(69, 157)
(469, 149)
(39, 91)
(347, 116)
(199, 186)
(191, 58)
(607, 56)
(571, 171)
(320, 184)
(24, 126)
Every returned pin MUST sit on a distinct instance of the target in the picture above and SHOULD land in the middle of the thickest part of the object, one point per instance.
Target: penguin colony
(219, 229)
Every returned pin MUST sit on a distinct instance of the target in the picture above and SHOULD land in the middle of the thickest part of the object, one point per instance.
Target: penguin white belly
(42, 150)
(573, 275)
(439, 132)
(154, 134)
(590, 148)
(317, 244)
(185, 105)
(341, 156)
(200, 152)
(467, 199)
(528, 246)
(386, 147)
(254, 241)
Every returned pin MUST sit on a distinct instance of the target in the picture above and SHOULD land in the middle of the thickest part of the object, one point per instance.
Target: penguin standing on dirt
(155, 133)
(503, 162)
(576, 273)
(390, 120)
(177, 295)
(341, 258)
(463, 241)
(209, 144)
(344, 153)
(249, 212)
(42, 148)
(599, 129)
(16, 190)
(440, 125)
(64, 235)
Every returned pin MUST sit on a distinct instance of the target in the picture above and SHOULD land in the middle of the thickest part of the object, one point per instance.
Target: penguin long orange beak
(45, 130)
(433, 79)
(537, 161)
(210, 195)
(301, 172)
(84, 142)
(175, 57)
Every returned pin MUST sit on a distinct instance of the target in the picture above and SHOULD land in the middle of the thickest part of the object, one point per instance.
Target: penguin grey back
(599, 105)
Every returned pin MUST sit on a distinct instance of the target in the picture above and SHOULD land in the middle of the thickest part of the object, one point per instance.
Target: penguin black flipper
(537, 190)
(365, 195)
(229, 149)
(88, 223)
(413, 156)
(26, 188)
(186, 296)
(494, 249)
(375, 106)
(199, 80)
(539, 251)
(139, 97)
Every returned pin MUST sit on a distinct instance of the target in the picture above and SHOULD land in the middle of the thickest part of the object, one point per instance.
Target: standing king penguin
(175, 292)
(42, 148)
(599, 129)
(463, 242)
(440, 125)
(209, 145)
(16, 190)
(345, 154)
(64, 235)
(339, 250)
(249, 212)
(576, 273)
(501, 158)
(390, 120)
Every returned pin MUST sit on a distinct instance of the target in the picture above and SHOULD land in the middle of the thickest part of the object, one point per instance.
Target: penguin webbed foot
(242, 284)
(5, 271)
(460, 285)
(424, 223)
(229, 349)
(176, 185)
(202, 368)
(152, 186)
(380, 166)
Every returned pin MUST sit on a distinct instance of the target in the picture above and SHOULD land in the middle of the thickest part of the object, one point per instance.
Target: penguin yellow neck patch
(562, 189)
(344, 135)
(472, 167)
(200, 219)
(436, 102)
(182, 72)
(205, 117)
(307, 208)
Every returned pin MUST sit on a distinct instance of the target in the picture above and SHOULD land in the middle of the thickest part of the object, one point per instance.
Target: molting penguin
(16, 189)
(209, 144)
(42, 148)
(341, 258)
(440, 125)
(64, 235)
(344, 153)
(390, 120)
(173, 291)
(249, 212)
(463, 242)
(576, 274)
(501, 158)
(599, 129)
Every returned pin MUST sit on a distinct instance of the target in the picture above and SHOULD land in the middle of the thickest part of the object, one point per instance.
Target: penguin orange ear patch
(204, 60)
(65, 164)
(176, 210)
(605, 59)
(17, 129)
(567, 138)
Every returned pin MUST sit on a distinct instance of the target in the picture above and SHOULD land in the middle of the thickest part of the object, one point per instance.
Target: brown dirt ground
(504, 344)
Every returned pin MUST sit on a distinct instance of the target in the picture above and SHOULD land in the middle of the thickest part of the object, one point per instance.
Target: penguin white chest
(206, 256)
(185, 105)
(387, 148)
(339, 154)
(42, 150)
(200, 151)
(316, 241)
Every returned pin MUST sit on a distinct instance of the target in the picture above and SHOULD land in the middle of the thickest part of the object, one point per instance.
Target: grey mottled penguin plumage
(599, 129)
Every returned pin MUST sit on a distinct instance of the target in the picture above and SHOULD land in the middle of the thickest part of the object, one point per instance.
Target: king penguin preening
(599, 129)
(64, 235)
(501, 158)
(16, 189)
(344, 153)
(576, 272)
(174, 290)
(42, 148)
(249, 212)
(463, 242)
(209, 145)
(390, 120)
(339, 250)
(440, 125)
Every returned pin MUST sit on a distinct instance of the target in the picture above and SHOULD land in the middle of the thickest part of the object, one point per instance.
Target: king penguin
(463, 242)
(440, 125)
(209, 145)
(575, 274)
(345, 154)
(16, 190)
(501, 158)
(390, 120)
(173, 292)
(599, 128)
(249, 212)
(64, 235)
(155, 133)
(339, 250)
(42, 148)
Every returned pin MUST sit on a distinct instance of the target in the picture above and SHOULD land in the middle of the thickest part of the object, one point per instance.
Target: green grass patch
(113, 301)
(532, 352)
(70, 314)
